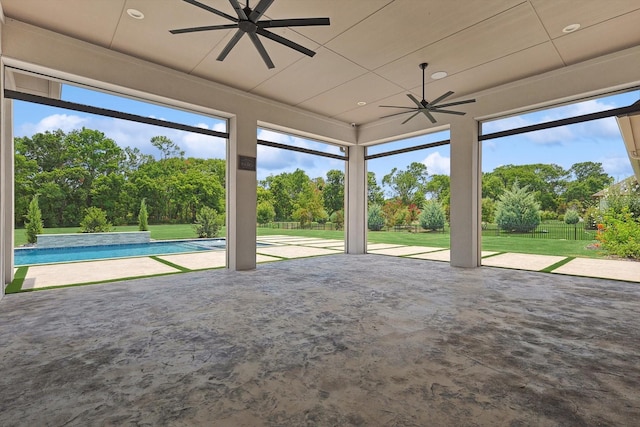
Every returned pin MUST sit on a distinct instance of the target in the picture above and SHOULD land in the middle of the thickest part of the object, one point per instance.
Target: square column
(6, 186)
(355, 195)
(465, 193)
(241, 193)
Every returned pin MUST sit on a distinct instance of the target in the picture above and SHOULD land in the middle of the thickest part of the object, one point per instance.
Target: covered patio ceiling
(369, 54)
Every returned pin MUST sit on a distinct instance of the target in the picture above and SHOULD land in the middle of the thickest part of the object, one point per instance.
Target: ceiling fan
(426, 107)
(248, 23)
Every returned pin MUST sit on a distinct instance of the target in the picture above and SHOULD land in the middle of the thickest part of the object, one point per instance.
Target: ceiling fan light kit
(248, 22)
(425, 107)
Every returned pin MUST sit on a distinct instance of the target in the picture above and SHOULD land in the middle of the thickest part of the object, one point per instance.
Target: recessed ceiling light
(439, 75)
(570, 28)
(361, 103)
(135, 14)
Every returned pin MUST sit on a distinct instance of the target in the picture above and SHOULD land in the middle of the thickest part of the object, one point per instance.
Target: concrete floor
(338, 340)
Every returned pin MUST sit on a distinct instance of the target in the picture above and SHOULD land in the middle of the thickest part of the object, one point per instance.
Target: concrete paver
(602, 268)
(373, 246)
(296, 251)
(403, 250)
(298, 247)
(40, 276)
(209, 259)
(443, 255)
(530, 262)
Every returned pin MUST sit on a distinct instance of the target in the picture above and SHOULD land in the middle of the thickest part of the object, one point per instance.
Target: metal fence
(546, 230)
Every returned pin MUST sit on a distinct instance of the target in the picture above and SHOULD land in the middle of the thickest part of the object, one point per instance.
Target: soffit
(370, 52)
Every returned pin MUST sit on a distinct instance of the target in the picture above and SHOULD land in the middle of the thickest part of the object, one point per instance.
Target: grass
(158, 232)
(509, 243)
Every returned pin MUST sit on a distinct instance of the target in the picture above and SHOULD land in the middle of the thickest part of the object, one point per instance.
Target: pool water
(33, 256)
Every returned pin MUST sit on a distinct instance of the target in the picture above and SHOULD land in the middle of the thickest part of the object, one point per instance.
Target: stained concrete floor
(339, 340)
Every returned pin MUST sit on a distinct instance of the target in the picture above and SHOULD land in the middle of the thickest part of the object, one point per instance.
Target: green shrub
(621, 234)
(337, 218)
(143, 217)
(548, 216)
(95, 221)
(266, 212)
(207, 223)
(517, 210)
(571, 217)
(592, 217)
(33, 220)
(432, 216)
(303, 215)
(488, 210)
(401, 217)
(375, 218)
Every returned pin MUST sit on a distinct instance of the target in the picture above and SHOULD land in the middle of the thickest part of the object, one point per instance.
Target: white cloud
(66, 122)
(604, 128)
(617, 167)
(437, 164)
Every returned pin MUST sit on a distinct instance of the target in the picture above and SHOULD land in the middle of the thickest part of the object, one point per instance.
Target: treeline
(74, 171)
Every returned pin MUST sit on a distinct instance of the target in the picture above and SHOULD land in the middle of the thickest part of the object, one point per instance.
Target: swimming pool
(34, 256)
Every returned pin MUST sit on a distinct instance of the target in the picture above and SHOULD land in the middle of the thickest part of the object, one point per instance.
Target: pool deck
(290, 247)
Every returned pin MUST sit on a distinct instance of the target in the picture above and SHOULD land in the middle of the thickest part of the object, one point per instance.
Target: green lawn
(507, 243)
(437, 239)
(158, 232)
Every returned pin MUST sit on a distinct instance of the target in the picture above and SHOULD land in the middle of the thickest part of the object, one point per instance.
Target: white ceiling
(370, 52)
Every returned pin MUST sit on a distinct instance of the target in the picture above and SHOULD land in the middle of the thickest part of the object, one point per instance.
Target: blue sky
(597, 141)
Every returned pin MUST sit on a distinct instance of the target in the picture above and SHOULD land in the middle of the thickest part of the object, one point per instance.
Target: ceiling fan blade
(286, 42)
(397, 114)
(441, 97)
(210, 9)
(415, 100)
(300, 22)
(239, 10)
(259, 10)
(205, 28)
(412, 116)
(429, 115)
(397, 106)
(263, 52)
(438, 110)
(451, 104)
(234, 40)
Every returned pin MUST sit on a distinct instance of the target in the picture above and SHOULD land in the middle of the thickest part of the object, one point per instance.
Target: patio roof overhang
(630, 129)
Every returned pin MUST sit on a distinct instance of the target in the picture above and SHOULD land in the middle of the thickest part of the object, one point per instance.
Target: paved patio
(292, 247)
(337, 340)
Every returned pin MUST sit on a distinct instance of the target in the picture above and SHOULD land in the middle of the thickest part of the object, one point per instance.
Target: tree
(588, 179)
(167, 147)
(405, 183)
(337, 219)
(546, 181)
(143, 217)
(517, 210)
(333, 191)
(207, 224)
(95, 221)
(432, 216)
(375, 218)
(439, 187)
(33, 221)
(265, 212)
(571, 217)
(375, 195)
(488, 210)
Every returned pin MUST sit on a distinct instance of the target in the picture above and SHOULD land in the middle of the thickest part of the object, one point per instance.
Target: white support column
(465, 194)
(6, 187)
(356, 201)
(241, 193)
